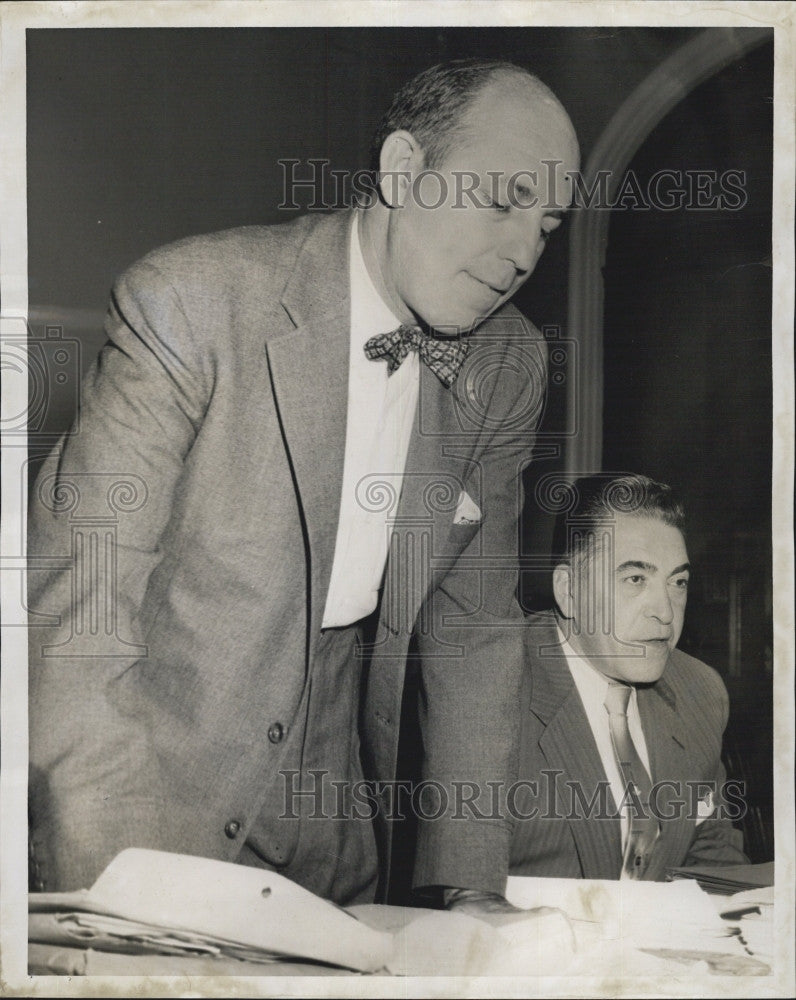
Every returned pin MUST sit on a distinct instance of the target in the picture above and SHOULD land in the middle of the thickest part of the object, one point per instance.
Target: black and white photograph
(397, 497)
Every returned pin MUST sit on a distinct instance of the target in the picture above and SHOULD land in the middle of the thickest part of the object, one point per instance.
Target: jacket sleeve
(97, 512)
(469, 710)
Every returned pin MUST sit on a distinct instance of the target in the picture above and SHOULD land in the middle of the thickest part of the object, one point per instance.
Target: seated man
(620, 771)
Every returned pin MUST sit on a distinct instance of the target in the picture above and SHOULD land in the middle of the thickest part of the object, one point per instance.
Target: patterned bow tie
(443, 357)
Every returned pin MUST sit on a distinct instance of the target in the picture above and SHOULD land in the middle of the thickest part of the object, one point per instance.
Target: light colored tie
(643, 828)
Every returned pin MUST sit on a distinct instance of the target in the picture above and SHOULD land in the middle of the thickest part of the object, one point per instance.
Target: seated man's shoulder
(540, 619)
(540, 637)
(695, 679)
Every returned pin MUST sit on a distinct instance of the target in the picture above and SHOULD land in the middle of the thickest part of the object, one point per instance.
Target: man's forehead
(650, 540)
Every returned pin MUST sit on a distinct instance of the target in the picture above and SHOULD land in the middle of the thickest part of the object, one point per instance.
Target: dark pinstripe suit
(683, 716)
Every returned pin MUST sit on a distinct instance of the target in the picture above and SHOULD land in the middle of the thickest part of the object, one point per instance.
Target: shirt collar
(588, 680)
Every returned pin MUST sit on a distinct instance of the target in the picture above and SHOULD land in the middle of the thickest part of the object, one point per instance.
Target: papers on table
(195, 909)
(619, 922)
(728, 879)
(151, 901)
(178, 903)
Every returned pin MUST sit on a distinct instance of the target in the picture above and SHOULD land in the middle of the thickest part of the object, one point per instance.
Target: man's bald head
(433, 106)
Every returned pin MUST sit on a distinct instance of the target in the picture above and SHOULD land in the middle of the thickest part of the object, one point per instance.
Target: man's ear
(564, 590)
(401, 157)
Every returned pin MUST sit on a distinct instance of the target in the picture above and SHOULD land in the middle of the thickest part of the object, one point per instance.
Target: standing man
(620, 772)
(278, 415)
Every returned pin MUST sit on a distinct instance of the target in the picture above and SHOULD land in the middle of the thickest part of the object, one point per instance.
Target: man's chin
(459, 326)
(646, 669)
(460, 319)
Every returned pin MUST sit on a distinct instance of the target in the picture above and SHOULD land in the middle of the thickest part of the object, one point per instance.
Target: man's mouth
(495, 287)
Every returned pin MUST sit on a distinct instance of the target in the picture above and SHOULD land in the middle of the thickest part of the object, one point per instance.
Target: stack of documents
(636, 925)
(728, 879)
(176, 904)
(152, 902)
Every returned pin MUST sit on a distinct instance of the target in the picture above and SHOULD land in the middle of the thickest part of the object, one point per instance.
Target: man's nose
(521, 245)
(660, 604)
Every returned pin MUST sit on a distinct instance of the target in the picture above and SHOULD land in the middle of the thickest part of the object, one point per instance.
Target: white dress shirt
(381, 412)
(592, 687)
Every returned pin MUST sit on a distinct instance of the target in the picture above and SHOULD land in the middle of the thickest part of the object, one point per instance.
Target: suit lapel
(422, 544)
(666, 742)
(309, 371)
(568, 746)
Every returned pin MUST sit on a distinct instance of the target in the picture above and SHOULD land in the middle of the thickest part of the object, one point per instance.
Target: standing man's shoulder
(231, 257)
(203, 294)
(508, 323)
(506, 371)
(521, 347)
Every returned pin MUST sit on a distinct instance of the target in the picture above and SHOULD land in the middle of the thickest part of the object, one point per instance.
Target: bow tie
(443, 357)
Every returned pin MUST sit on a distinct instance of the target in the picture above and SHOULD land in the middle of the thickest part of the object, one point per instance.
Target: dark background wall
(688, 388)
(138, 137)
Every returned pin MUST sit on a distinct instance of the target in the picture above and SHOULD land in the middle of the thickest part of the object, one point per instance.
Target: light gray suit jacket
(683, 716)
(194, 510)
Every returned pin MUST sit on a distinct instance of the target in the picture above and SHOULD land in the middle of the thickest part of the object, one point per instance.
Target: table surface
(56, 959)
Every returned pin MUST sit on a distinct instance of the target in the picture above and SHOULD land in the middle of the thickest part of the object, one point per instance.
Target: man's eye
(681, 583)
(635, 579)
(498, 206)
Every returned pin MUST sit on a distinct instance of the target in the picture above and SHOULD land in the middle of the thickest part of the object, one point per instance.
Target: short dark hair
(597, 499)
(432, 105)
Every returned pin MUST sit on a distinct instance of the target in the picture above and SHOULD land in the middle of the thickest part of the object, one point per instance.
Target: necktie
(643, 829)
(443, 357)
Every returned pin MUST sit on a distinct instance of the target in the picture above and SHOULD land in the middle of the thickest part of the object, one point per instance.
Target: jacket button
(232, 829)
(276, 732)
